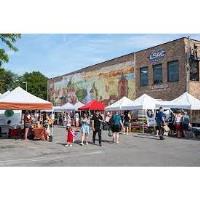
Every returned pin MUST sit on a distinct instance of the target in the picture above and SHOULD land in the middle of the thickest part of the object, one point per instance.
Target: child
(70, 136)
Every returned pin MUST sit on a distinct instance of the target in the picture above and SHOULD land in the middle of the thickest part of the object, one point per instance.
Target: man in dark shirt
(160, 120)
(96, 126)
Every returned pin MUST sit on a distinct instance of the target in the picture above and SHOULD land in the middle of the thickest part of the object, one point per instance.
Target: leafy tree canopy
(8, 40)
(36, 83)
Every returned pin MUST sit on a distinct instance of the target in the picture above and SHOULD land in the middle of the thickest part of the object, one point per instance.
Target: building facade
(107, 81)
(168, 70)
(164, 72)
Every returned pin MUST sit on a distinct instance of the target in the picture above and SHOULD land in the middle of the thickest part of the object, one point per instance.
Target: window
(173, 71)
(157, 74)
(194, 70)
(143, 76)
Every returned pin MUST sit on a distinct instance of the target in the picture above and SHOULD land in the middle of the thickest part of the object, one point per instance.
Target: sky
(58, 54)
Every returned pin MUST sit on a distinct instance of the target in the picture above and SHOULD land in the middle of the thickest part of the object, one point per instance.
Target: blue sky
(57, 54)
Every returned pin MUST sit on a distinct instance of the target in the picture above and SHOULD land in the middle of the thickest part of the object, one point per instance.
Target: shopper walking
(97, 120)
(160, 121)
(85, 129)
(116, 126)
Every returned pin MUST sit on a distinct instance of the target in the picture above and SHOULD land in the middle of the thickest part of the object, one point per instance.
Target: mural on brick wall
(107, 84)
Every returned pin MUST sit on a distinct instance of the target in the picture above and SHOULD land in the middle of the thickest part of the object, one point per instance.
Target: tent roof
(78, 105)
(68, 106)
(184, 101)
(145, 102)
(4, 94)
(123, 104)
(19, 99)
(93, 105)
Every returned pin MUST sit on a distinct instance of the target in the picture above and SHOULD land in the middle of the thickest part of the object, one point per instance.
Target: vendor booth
(19, 99)
(93, 105)
(145, 106)
(184, 101)
(78, 105)
(123, 104)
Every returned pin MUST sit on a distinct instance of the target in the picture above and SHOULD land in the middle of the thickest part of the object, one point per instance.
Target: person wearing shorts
(85, 129)
(126, 122)
(116, 126)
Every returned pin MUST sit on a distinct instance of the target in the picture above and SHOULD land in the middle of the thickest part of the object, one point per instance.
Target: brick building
(168, 70)
(107, 81)
(164, 72)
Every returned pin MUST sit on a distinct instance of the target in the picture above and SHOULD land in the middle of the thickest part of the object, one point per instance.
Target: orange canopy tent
(19, 99)
(93, 105)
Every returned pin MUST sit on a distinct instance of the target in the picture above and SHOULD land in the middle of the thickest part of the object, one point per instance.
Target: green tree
(8, 40)
(36, 83)
(7, 80)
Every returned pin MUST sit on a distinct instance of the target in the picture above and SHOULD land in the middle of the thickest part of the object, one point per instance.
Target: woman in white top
(178, 124)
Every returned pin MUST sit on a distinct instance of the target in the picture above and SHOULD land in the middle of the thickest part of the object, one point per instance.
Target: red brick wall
(175, 50)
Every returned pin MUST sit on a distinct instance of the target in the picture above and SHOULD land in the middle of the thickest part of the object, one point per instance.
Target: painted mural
(107, 84)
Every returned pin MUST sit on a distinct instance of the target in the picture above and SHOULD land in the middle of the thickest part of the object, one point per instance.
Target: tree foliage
(36, 83)
(7, 80)
(8, 40)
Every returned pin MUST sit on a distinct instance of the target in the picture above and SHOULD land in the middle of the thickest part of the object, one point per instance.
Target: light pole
(26, 85)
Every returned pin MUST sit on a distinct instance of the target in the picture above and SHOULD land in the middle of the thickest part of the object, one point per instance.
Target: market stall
(146, 106)
(78, 105)
(92, 106)
(184, 101)
(123, 104)
(19, 99)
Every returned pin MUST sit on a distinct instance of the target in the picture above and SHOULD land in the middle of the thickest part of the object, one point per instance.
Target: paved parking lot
(133, 150)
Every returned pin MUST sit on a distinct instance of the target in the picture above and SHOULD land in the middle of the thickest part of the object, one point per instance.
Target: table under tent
(19, 99)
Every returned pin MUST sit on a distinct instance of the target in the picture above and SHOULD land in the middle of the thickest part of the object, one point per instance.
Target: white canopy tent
(184, 101)
(68, 107)
(4, 94)
(78, 105)
(123, 104)
(19, 99)
(145, 102)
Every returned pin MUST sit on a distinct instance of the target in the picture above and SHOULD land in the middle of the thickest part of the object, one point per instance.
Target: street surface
(137, 149)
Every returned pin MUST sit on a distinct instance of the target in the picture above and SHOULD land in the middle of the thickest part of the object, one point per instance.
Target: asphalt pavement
(137, 149)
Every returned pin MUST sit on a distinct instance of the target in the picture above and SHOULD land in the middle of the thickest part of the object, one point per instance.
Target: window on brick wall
(173, 71)
(194, 70)
(157, 74)
(143, 76)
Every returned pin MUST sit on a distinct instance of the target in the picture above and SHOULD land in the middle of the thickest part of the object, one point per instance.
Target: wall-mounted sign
(157, 55)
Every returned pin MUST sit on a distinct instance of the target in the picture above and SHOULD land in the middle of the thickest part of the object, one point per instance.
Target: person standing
(77, 119)
(85, 129)
(97, 120)
(160, 121)
(27, 124)
(178, 123)
(70, 136)
(126, 123)
(186, 124)
(117, 124)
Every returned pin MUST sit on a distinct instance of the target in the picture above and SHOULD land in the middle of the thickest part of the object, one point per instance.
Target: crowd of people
(96, 122)
(36, 120)
(178, 124)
